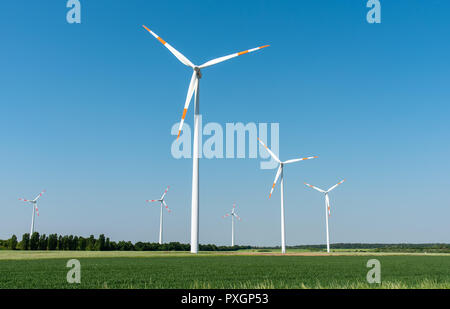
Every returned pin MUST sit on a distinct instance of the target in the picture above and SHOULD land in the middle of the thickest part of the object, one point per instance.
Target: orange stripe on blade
(146, 28)
(242, 52)
(264, 46)
(184, 113)
(161, 40)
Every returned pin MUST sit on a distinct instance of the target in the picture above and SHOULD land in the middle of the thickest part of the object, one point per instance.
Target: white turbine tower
(35, 209)
(280, 172)
(233, 215)
(194, 87)
(163, 205)
(327, 207)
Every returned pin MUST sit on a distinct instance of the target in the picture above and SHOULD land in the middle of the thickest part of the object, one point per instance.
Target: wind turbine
(280, 172)
(35, 209)
(195, 86)
(163, 205)
(327, 207)
(233, 215)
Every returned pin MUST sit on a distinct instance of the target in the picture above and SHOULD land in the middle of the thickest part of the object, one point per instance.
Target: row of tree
(70, 242)
(378, 247)
(59, 242)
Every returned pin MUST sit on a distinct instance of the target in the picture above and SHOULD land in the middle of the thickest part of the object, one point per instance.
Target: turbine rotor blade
(226, 215)
(25, 200)
(165, 205)
(175, 52)
(336, 185)
(37, 210)
(192, 87)
(276, 179)
(225, 58)
(270, 151)
(37, 197)
(318, 189)
(327, 200)
(300, 159)
(153, 201)
(237, 217)
(165, 192)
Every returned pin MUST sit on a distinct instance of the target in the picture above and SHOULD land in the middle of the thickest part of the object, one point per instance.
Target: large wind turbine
(194, 86)
(233, 215)
(163, 205)
(327, 207)
(35, 209)
(280, 172)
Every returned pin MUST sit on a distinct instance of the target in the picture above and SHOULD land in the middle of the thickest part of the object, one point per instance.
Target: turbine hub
(199, 73)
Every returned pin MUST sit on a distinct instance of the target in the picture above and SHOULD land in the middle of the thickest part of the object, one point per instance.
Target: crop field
(126, 270)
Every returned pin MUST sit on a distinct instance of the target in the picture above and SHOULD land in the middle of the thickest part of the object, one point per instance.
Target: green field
(22, 269)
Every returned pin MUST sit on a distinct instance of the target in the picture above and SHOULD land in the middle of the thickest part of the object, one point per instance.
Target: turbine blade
(276, 179)
(152, 201)
(165, 192)
(37, 210)
(300, 159)
(237, 217)
(336, 185)
(192, 87)
(175, 52)
(320, 190)
(165, 205)
(25, 200)
(270, 151)
(224, 58)
(37, 197)
(328, 204)
(227, 215)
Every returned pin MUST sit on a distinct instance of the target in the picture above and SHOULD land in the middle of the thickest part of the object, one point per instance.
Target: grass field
(28, 269)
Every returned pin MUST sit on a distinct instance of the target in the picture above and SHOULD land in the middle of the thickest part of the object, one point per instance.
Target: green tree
(25, 243)
(90, 246)
(52, 242)
(70, 242)
(60, 243)
(12, 243)
(82, 243)
(34, 241)
(43, 242)
(65, 242)
(100, 244)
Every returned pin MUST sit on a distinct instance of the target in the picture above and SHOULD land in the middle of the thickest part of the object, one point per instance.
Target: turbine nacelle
(198, 71)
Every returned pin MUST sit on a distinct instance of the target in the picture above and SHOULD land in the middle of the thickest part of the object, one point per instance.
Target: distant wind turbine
(194, 86)
(280, 172)
(35, 209)
(233, 215)
(327, 207)
(163, 205)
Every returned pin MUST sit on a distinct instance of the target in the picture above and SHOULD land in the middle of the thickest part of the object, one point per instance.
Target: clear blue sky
(86, 112)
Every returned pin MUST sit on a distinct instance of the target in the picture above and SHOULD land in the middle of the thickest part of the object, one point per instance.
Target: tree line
(102, 243)
(376, 247)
